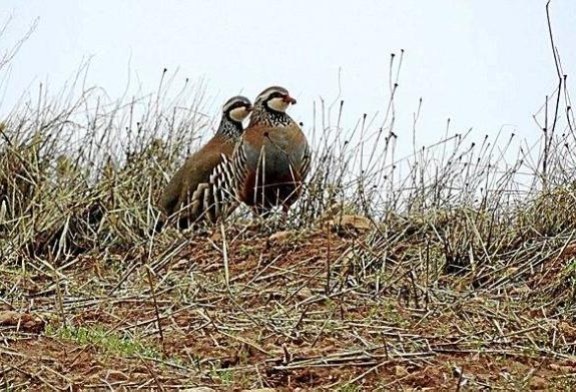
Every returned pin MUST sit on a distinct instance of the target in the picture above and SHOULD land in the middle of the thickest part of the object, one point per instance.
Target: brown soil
(278, 322)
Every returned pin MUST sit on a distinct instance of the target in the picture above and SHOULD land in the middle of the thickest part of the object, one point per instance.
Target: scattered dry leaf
(25, 322)
(351, 224)
(281, 236)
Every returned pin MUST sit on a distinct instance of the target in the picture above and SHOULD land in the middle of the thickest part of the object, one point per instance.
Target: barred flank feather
(217, 198)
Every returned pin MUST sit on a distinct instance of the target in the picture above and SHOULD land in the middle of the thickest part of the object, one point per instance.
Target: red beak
(289, 99)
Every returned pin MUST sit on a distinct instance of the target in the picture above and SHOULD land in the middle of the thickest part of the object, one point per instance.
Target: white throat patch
(278, 104)
(239, 114)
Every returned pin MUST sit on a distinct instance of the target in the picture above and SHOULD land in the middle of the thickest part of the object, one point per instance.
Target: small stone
(538, 383)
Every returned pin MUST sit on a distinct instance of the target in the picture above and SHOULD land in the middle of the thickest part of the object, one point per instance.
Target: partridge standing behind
(271, 160)
(188, 198)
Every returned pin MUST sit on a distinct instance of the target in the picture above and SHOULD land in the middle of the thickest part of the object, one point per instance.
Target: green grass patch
(109, 342)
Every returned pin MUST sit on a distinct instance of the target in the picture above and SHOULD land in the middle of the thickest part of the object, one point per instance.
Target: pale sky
(485, 64)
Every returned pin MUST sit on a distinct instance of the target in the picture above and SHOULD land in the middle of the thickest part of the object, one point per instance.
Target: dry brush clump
(83, 175)
(381, 238)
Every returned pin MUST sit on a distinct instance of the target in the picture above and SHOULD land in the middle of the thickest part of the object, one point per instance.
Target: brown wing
(195, 171)
(305, 164)
(301, 158)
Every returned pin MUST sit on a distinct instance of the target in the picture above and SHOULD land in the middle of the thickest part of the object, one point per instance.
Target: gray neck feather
(229, 129)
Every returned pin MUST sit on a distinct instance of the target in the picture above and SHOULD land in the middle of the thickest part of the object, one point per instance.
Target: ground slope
(316, 309)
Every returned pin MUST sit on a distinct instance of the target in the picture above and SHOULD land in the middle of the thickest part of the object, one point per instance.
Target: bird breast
(279, 153)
